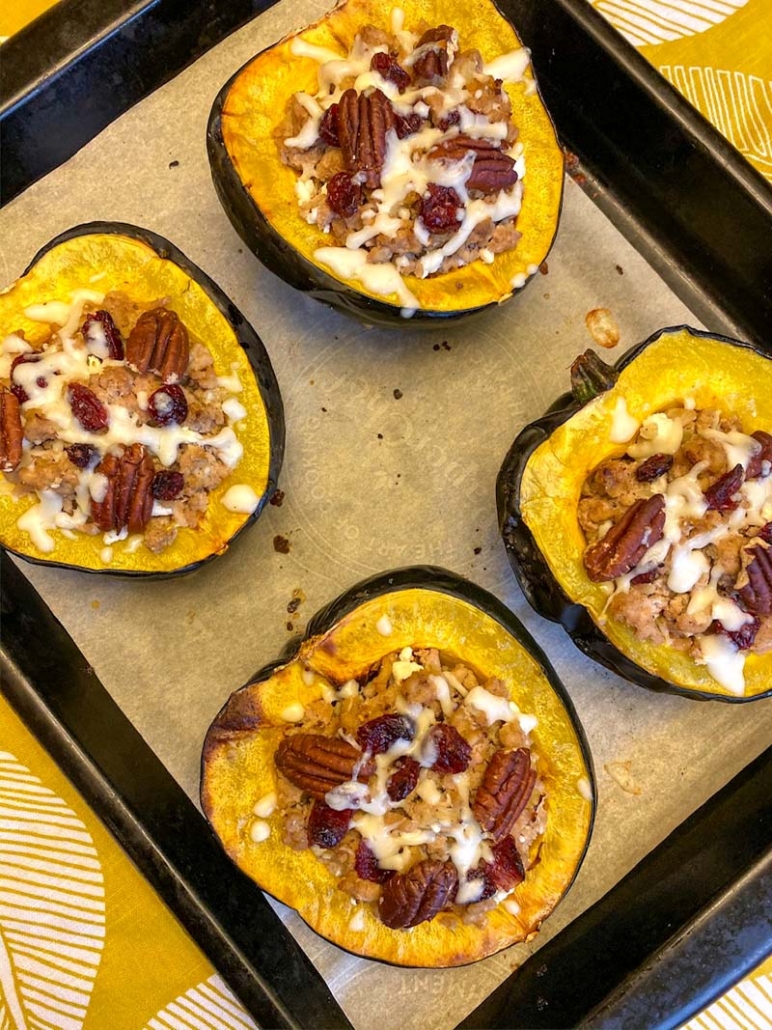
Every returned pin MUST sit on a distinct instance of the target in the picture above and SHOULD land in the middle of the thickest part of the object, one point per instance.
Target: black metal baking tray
(645, 954)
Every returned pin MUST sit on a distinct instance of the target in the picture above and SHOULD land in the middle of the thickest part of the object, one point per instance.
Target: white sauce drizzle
(623, 425)
(259, 831)
(293, 712)
(658, 435)
(266, 805)
(383, 625)
(240, 498)
(725, 663)
(493, 707)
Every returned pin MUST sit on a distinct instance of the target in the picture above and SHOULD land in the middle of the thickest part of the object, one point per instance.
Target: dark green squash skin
(250, 343)
(440, 580)
(283, 260)
(541, 589)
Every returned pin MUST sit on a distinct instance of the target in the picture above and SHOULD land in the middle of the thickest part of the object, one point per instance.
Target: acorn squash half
(258, 191)
(111, 256)
(540, 482)
(424, 607)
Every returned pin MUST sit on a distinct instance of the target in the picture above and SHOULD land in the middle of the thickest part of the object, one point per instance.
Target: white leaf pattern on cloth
(739, 105)
(210, 1005)
(52, 911)
(651, 21)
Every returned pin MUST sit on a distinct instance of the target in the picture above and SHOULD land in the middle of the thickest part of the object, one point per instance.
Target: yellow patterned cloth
(748, 1006)
(85, 942)
(718, 53)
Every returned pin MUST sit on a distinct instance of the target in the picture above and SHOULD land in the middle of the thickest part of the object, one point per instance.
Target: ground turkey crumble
(52, 466)
(717, 486)
(435, 699)
(433, 96)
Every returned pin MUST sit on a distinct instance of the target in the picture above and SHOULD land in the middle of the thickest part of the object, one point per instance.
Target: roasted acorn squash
(110, 256)
(258, 191)
(539, 486)
(425, 607)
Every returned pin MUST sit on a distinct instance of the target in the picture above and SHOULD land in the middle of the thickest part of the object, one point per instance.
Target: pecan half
(756, 464)
(506, 786)
(492, 170)
(413, 897)
(317, 764)
(437, 35)
(754, 584)
(622, 548)
(11, 431)
(159, 343)
(430, 68)
(129, 497)
(363, 121)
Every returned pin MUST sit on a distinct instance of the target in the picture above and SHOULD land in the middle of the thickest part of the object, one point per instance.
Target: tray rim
(103, 26)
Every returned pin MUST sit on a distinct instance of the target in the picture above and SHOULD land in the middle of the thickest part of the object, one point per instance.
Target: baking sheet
(394, 440)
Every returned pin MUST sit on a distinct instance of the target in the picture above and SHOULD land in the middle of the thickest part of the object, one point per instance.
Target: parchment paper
(372, 482)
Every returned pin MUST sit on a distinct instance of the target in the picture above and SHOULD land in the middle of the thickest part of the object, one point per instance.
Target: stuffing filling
(425, 795)
(700, 579)
(126, 427)
(407, 154)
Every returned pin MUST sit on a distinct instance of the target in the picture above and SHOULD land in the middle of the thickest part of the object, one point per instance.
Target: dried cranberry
(654, 467)
(80, 454)
(403, 780)
(506, 870)
(453, 752)
(326, 826)
(440, 210)
(766, 533)
(24, 359)
(111, 331)
(743, 637)
(328, 126)
(481, 873)
(644, 577)
(344, 195)
(366, 866)
(377, 735)
(719, 496)
(87, 408)
(167, 405)
(388, 68)
(407, 124)
(762, 461)
(167, 485)
(19, 392)
(451, 118)
(503, 873)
